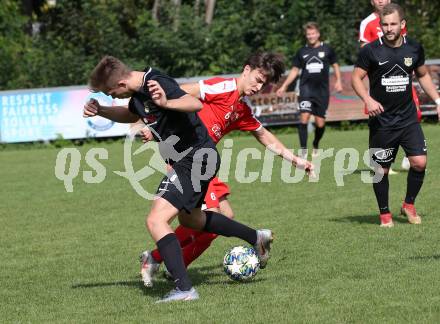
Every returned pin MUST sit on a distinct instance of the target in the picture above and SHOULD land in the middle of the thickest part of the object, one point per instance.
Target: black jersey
(315, 64)
(164, 123)
(390, 73)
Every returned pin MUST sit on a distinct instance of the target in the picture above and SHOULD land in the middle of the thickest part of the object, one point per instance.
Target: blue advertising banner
(32, 115)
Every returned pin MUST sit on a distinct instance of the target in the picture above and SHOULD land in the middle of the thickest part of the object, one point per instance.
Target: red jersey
(223, 111)
(370, 29)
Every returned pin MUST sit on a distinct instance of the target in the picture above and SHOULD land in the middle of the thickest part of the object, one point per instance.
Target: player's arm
(374, 107)
(192, 89)
(271, 142)
(338, 83)
(119, 114)
(364, 35)
(185, 103)
(290, 78)
(428, 86)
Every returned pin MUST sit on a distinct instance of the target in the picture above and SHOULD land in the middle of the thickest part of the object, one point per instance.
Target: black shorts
(186, 184)
(385, 143)
(315, 106)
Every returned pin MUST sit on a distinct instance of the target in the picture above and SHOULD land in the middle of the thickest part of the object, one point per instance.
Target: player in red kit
(226, 107)
(369, 31)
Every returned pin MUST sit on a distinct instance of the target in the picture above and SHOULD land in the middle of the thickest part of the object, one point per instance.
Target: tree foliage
(75, 34)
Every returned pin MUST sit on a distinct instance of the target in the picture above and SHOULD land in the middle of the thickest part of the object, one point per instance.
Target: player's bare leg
(201, 242)
(158, 222)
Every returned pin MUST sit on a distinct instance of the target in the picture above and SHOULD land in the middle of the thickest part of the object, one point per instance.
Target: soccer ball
(241, 263)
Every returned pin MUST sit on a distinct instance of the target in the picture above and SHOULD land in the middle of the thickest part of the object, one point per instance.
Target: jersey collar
(145, 76)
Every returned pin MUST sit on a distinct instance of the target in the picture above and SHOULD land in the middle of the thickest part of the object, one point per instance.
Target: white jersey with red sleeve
(370, 29)
(223, 109)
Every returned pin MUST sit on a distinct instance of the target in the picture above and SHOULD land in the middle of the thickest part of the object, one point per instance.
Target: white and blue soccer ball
(241, 263)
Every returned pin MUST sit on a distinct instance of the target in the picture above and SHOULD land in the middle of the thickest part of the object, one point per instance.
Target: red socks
(193, 244)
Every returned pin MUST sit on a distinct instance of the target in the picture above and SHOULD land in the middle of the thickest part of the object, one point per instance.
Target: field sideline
(73, 257)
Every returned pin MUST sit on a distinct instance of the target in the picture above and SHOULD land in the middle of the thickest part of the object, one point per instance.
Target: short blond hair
(107, 73)
(392, 8)
(311, 25)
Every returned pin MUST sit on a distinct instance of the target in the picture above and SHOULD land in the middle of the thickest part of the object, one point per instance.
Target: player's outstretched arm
(119, 114)
(192, 89)
(428, 86)
(290, 78)
(186, 103)
(271, 142)
(374, 107)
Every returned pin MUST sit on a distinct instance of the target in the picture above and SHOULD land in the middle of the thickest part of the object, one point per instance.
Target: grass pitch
(73, 257)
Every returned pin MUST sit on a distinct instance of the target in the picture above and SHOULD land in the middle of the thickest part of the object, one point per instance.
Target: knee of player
(418, 163)
(419, 166)
(228, 213)
(152, 221)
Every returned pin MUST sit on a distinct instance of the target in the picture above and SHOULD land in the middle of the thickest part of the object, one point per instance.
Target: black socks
(414, 183)
(171, 253)
(302, 131)
(381, 191)
(219, 224)
(319, 132)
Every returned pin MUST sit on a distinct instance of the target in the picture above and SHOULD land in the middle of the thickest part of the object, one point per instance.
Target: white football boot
(262, 247)
(149, 267)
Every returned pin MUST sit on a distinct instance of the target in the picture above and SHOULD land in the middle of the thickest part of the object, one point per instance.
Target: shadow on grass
(199, 276)
(358, 171)
(365, 219)
(435, 257)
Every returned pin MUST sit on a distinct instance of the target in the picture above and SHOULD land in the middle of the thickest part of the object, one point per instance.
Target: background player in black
(168, 111)
(389, 63)
(314, 60)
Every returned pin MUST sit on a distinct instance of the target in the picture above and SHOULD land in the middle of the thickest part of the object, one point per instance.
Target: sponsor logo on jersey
(149, 119)
(305, 105)
(321, 54)
(407, 61)
(385, 155)
(216, 129)
(314, 65)
(147, 105)
(395, 80)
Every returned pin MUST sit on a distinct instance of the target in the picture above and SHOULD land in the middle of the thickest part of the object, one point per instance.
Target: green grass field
(73, 257)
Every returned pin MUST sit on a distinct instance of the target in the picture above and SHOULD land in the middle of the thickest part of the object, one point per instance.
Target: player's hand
(146, 135)
(157, 93)
(91, 108)
(338, 86)
(374, 107)
(306, 166)
(281, 91)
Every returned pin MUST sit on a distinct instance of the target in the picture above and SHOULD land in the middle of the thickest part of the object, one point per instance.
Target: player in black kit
(314, 60)
(389, 63)
(170, 115)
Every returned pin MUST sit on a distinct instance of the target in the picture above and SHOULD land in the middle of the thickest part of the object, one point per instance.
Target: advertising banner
(45, 114)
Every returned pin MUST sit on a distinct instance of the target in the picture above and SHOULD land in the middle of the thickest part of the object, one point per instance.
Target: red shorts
(416, 101)
(216, 190)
